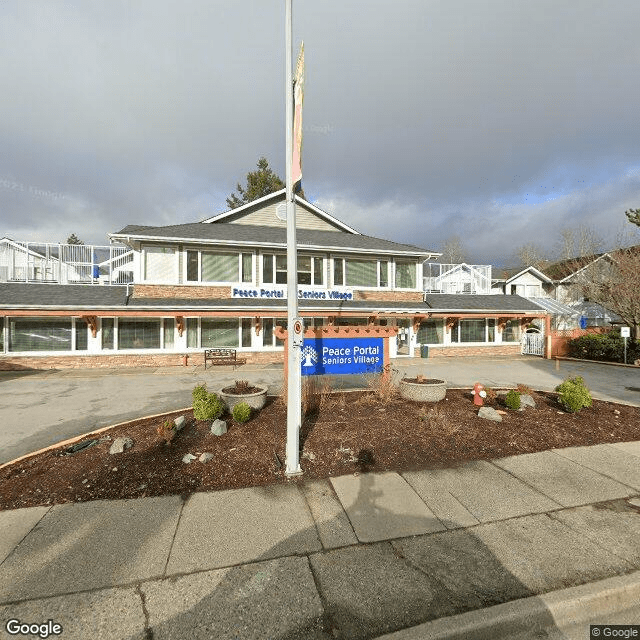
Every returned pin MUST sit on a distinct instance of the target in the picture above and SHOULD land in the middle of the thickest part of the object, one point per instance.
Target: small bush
(573, 394)
(491, 394)
(207, 406)
(382, 385)
(199, 392)
(512, 400)
(241, 412)
(523, 389)
(167, 430)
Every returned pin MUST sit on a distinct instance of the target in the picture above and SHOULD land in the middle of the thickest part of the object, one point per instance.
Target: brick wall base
(455, 352)
(114, 361)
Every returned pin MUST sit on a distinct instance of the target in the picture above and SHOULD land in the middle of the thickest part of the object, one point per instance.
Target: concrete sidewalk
(353, 557)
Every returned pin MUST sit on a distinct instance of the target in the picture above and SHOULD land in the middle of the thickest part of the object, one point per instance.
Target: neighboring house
(222, 283)
(456, 278)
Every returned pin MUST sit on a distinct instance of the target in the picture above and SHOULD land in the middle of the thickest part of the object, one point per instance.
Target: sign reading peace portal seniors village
(304, 293)
(342, 355)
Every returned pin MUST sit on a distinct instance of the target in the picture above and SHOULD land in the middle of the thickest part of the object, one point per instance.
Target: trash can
(424, 351)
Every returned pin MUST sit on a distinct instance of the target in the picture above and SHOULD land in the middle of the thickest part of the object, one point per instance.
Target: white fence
(533, 344)
(65, 263)
(456, 278)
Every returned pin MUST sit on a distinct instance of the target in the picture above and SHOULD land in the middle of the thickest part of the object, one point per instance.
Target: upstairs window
(310, 269)
(213, 266)
(160, 264)
(405, 275)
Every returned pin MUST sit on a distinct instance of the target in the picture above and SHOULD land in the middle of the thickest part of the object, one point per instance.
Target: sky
(501, 122)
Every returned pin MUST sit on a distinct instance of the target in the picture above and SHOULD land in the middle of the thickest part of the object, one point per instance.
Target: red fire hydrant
(479, 394)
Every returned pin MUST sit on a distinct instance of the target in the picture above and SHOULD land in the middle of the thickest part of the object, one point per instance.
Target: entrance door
(403, 339)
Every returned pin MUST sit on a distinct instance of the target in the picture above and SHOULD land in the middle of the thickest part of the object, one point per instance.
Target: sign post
(294, 346)
(625, 332)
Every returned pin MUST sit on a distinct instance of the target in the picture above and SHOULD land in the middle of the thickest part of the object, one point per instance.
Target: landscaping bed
(342, 433)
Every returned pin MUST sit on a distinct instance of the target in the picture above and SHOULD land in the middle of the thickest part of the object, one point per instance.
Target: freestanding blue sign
(342, 355)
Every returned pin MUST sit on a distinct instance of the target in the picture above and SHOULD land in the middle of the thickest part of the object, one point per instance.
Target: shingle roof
(19, 295)
(60, 296)
(260, 235)
(497, 303)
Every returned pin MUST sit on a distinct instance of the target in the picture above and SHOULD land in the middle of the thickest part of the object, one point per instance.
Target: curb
(89, 433)
(610, 364)
(550, 611)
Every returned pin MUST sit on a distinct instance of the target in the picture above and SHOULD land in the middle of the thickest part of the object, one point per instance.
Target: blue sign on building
(342, 355)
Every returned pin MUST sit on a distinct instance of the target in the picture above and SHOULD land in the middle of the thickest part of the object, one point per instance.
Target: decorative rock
(188, 457)
(114, 469)
(179, 422)
(489, 413)
(205, 457)
(120, 444)
(218, 427)
(309, 455)
(634, 501)
(527, 401)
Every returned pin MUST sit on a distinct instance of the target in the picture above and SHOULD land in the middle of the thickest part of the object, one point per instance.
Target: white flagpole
(294, 353)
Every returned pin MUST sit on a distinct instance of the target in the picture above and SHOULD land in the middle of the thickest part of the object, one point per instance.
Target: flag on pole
(298, 95)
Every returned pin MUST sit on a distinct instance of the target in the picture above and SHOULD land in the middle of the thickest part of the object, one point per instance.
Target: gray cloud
(421, 119)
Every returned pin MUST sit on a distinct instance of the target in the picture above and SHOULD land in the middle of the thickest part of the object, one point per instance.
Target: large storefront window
(511, 331)
(40, 334)
(1, 334)
(431, 332)
(219, 332)
(406, 275)
(169, 333)
(138, 333)
(82, 335)
(470, 330)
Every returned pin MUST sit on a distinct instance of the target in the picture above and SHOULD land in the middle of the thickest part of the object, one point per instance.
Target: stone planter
(425, 391)
(255, 400)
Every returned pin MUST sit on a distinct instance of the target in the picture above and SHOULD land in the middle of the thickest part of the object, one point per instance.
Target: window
(271, 264)
(160, 264)
(246, 331)
(511, 331)
(192, 333)
(1, 334)
(212, 266)
(169, 333)
(106, 332)
(40, 334)
(472, 330)
(384, 273)
(138, 333)
(219, 332)
(267, 332)
(405, 275)
(361, 273)
(431, 332)
(81, 335)
(219, 267)
(533, 291)
(310, 269)
(338, 272)
(491, 330)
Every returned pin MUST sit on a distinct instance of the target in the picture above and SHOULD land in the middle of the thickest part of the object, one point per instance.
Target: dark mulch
(349, 432)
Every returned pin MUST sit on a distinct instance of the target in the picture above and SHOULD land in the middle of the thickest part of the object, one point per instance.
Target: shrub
(167, 430)
(524, 389)
(241, 412)
(207, 406)
(573, 394)
(199, 392)
(607, 347)
(512, 400)
(316, 392)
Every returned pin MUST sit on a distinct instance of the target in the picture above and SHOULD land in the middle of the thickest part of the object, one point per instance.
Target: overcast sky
(501, 121)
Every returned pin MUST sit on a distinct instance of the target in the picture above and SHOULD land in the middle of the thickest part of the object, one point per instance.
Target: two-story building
(221, 282)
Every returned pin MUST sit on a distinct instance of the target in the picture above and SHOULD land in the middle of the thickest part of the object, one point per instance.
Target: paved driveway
(38, 409)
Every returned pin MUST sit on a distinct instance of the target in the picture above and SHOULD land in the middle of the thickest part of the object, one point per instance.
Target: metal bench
(222, 356)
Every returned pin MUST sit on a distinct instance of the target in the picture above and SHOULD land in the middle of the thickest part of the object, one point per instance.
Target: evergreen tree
(634, 216)
(73, 239)
(260, 183)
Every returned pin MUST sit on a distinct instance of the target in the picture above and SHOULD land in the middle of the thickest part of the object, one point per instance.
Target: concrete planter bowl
(255, 400)
(422, 390)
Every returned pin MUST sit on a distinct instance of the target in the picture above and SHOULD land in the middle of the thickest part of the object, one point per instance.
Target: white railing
(65, 263)
(456, 278)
